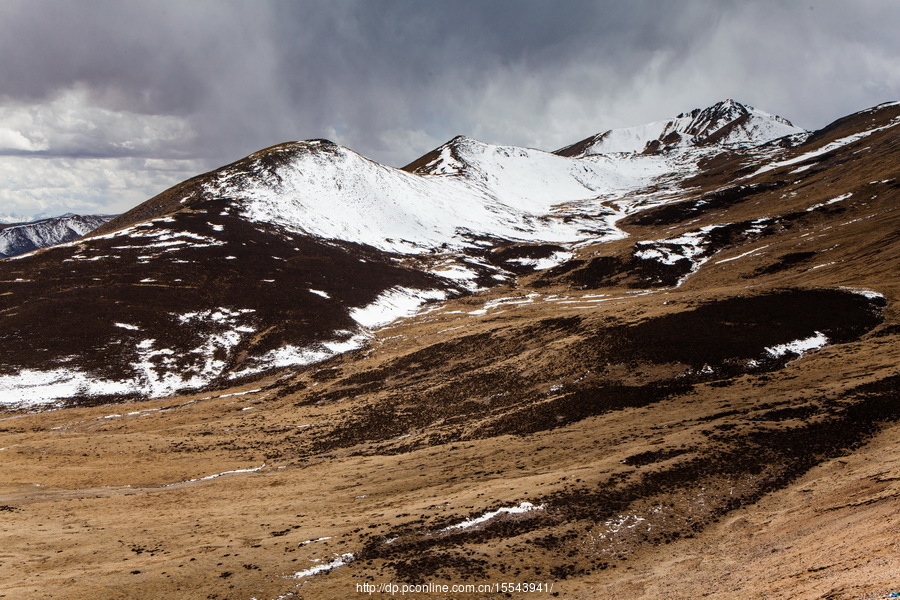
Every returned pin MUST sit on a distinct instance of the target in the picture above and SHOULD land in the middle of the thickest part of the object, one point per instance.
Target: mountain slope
(308, 220)
(19, 238)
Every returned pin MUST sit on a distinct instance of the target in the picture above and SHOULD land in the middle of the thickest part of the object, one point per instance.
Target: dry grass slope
(664, 450)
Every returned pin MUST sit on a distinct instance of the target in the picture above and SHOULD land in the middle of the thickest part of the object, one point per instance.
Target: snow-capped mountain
(296, 252)
(465, 190)
(19, 238)
(471, 191)
(725, 123)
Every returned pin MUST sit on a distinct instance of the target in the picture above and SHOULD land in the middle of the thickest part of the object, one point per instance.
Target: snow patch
(557, 258)
(798, 347)
(455, 271)
(832, 201)
(523, 507)
(745, 254)
(339, 561)
(870, 294)
(240, 393)
(394, 303)
(621, 523)
(32, 388)
(296, 356)
(321, 539)
(691, 246)
(217, 475)
(491, 304)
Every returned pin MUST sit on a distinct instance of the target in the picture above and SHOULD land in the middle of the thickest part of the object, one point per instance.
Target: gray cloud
(208, 82)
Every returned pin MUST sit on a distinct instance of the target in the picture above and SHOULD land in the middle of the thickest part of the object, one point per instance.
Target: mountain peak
(726, 109)
(445, 159)
(294, 148)
(724, 123)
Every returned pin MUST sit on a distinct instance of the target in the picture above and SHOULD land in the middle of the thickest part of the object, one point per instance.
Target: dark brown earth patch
(508, 257)
(728, 333)
(652, 456)
(711, 342)
(784, 263)
(575, 406)
(622, 270)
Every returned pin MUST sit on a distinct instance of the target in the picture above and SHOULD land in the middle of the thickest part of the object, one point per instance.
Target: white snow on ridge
(295, 356)
(445, 164)
(823, 150)
(536, 181)
(557, 258)
(503, 191)
(748, 125)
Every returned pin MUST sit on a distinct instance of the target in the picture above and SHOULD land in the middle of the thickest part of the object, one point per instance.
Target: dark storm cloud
(216, 80)
(248, 74)
(384, 65)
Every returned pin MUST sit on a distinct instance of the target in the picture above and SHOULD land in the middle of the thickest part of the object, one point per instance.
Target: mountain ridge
(450, 159)
(725, 123)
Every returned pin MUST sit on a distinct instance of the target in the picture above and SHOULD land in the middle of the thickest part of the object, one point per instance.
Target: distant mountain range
(9, 219)
(19, 238)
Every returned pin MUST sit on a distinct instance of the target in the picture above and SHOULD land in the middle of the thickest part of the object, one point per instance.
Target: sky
(104, 104)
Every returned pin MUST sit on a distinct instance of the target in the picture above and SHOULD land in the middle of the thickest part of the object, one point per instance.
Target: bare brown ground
(834, 533)
(99, 503)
